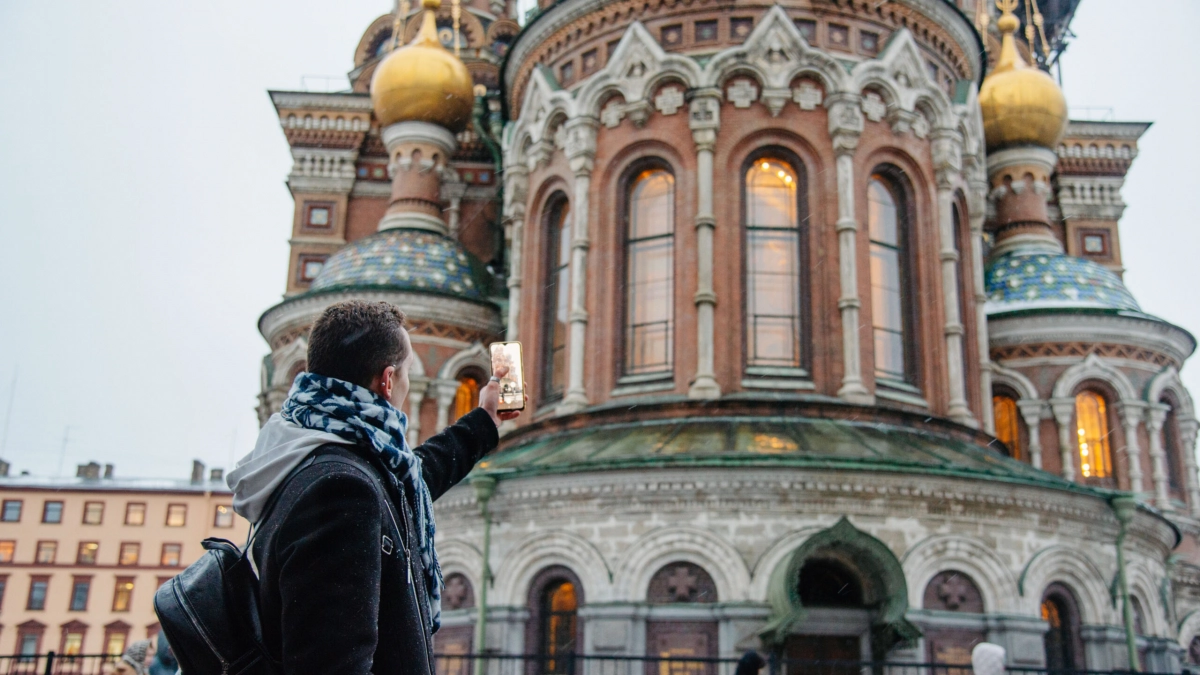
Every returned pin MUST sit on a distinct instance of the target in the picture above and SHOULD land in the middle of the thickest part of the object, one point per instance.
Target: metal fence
(57, 664)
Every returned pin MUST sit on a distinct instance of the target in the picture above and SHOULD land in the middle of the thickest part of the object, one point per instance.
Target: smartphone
(512, 385)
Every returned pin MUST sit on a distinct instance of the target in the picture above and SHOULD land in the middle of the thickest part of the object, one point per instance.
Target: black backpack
(209, 612)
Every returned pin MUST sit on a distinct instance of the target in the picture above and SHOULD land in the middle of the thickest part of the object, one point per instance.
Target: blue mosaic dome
(411, 260)
(1026, 281)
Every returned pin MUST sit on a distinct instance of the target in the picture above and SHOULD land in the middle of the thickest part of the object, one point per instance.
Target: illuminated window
(130, 552)
(93, 513)
(7, 548)
(114, 643)
(223, 516)
(135, 513)
(557, 301)
(72, 643)
(176, 515)
(52, 512)
(46, 552)
(650, 273)
(886, 226)
(466, 397)
(11, 513)
(772, 265)
(80, 589)
(1091, 430)
(122, 594)
(87, 553)
(1008, 428)
(172, 555)
(559, 608)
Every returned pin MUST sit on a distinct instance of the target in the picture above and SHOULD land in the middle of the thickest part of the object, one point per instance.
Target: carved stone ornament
(742, 93)
(612, 114)
(705, 113)
(775, 99)
(920, 126)
(873, 106)
(669, 100)
(808, 96)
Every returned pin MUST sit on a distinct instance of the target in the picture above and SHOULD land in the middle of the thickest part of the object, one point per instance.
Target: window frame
(137, 555)
(46, 511)
(542, 581)
(217, 516)
(129, 510)
(1107, 437)
(1019, 452)
(12, 552)
(162, 557)
(34, 580)
(306, 216)
(117, 589)
(86, 512)
(892, 178)
(804, 338)
(37, 552)
(87, 594)
(557, 214)
(79, 553)
(20, 506)
(172, 505)
(628, 182)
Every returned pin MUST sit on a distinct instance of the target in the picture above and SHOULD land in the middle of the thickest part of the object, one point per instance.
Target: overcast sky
(145, 218)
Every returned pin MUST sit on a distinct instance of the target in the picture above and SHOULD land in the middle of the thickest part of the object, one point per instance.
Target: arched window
(557, 301)
(1091, 431)
(1062, 642)
(466, 397)
(1174, 453)
(773, 265)
(962, 246)
(1008, 424)
(682, 583)
(554, 632)
(887, 227)
(650, 273)
(953, 591)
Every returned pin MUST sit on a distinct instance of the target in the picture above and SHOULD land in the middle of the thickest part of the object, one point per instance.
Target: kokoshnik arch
(812, 296)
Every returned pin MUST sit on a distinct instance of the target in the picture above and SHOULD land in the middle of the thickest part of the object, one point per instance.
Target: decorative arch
(772, 559)
(637, 67)
(877, 567)
(459, 557)
(545, 549)
(775, 53)
(1014, 380)
(1188, 629)
(1093, 368)
(1072, 568)
(1167, 380)
(942, 552)
(659, 547)
(1142, 583)
(899, 71)
(475, 356)
(286, 360)
(370, 38)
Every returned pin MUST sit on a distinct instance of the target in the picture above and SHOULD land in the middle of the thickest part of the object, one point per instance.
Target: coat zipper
(200, 629)
(416, 594)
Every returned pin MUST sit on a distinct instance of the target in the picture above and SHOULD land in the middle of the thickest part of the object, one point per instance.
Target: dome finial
(1008, 24)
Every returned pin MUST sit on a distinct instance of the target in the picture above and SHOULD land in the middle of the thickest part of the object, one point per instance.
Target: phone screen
(512, 385)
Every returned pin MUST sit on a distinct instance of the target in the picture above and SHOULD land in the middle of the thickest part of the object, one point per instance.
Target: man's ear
(385, 387)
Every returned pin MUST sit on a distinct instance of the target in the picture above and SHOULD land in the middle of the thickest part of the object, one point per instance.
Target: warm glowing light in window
(1091, 428)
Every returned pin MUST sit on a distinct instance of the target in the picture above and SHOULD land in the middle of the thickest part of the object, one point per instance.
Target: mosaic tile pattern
(1021, 281)
(405, 259)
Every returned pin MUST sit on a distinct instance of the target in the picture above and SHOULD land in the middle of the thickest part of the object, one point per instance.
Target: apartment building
(81, 558)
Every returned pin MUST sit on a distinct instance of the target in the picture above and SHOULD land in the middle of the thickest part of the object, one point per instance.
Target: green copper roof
(796, 442)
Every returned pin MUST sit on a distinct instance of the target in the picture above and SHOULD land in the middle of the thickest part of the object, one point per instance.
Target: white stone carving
(669, 100)
(742, 93)
(873, 106)
(612, 114)
(808, 96)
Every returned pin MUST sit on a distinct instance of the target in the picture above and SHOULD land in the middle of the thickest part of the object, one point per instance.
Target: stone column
(1187, 445)
(1064, 413)
(516, 185)
(977, 206)
(1156, 414)
(845, 126)
(947, 160)
(445, 389)
(453, 192)
(1031, 412)
(418, 152)
(1131, 414)
(581, 151)
(417, 387)
(704, 120)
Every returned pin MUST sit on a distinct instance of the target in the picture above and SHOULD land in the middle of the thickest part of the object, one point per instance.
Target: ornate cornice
(1143, 331)
(347, 102)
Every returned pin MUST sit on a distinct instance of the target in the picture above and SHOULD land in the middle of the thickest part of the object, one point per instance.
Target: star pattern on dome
(403, 259)
(1042, 281)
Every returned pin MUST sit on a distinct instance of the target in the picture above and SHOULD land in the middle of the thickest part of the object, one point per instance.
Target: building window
(7, 549)
(11, 512)
(889, 301)
(81, 587)
(223, 516)
(559, 609)
(318, 215)
(172, 555)
(1061, 640)
(3, 587)
(135, 513)
(557, 301)
(29, 639)
(808, 30)
(739, 28)
(466, 397)
(130, 551)
(46, 552)
(87, 553)
(72, 639)
(122, 594)
(1091, 430)
(1174, 453)
(176, 515)
(93, 513)
(1095, 243)
(706, 31)
(52, 512)
(1008, 428)
(309, 266)
(37, 593)
(116, 634)
(650, 273)
(568, 73)
(773, 299)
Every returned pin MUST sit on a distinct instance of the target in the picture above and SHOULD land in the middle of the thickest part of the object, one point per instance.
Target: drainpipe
(1124, 507)
(485, 487)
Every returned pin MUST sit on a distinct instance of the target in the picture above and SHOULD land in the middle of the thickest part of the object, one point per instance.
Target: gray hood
(281, 446)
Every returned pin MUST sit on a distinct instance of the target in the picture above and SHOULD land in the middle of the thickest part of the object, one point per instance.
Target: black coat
(339, 591)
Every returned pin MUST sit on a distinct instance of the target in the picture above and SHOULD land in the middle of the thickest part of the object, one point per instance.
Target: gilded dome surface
(411, 260)
(423, 82)
(1025, 281)
(1021, 104)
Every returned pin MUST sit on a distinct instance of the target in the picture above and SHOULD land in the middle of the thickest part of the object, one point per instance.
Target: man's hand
(489, 399)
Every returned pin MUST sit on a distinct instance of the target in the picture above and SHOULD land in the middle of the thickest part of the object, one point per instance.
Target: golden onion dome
(1021, 104)
(423, 82)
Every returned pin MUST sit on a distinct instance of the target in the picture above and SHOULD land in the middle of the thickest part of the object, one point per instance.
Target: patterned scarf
(367, 419)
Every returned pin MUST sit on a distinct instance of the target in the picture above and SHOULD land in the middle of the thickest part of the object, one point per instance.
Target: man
(343, 508)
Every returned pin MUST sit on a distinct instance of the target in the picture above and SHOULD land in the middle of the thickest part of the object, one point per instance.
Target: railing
(56, 664)
(526, 664)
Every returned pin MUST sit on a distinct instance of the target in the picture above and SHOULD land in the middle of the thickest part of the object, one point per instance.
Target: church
(826, 345)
